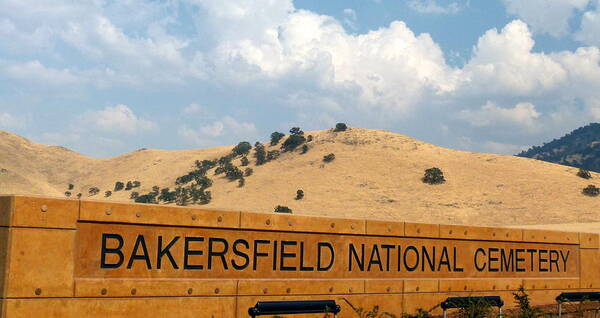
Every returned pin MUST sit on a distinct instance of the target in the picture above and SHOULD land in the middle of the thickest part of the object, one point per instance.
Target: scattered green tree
(292, 142)
(234, 173)
(276, 137)
(79, 195)
(93, 191)
(166, 195)
(107, 193)
(524, 307)
(129, 186)
(433, 176)
(328, 158)
(71, 186)
(591, 191)
(67, 193)
(241, 182)
(134, 195)
(296, 131)
(244, 161)
(248, 172)
(119, 186)
(304, 149)
(309, 138)
(299, 194)
(272, 155)
(135, 184)
(243, 148)
(340, 127)
(260, 154)
(282, 209)
(582, 173)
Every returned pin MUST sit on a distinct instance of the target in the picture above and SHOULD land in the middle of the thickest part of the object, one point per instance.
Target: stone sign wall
(71, 258)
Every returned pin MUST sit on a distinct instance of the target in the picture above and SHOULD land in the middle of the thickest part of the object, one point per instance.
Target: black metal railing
(294, 307)
(575, 297)
(466, 302)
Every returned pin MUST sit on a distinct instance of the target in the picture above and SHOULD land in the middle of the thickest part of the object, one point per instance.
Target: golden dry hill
(376, 174)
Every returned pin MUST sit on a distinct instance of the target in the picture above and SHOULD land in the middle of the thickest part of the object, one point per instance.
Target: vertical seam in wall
(239, 226)
(237, 295)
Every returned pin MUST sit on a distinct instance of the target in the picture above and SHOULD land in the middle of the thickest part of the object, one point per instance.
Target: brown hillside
(376, 174)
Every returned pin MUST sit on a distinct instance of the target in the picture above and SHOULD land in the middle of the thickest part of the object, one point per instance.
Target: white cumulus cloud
(546, 16)
(119, 118)
(522, 114)
(433, 7)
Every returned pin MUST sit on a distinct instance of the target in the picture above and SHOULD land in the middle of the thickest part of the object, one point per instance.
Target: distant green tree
(309, 138)
(299, 194)
(107, 193)
(582, 173)
(79, 195)
(296, 131)
(276, 137)
(282, 209)
(304, 149)
(93, 191)
(234, 173)
(292, 142)
(129, 186)
(260, 154)
(135, 184)
(244, 161)
(241, 182)
(67, 193)
(134, 195)
(329, 158)
(71, 186)
(203, 182)
(273, 155)
(166, 195)
(248, 172)
(243, 148)
(591, 190)
(119, 186)
(340, 127)
(433, 176)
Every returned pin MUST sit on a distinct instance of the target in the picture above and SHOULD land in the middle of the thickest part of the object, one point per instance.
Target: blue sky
(105, 77)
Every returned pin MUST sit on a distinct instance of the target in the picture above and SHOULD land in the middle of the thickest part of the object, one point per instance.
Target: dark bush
(107, 193)
(245, 161)
(524, 306)
(67, 193)
(309, 138)
(93, 190)
(234, 173)
(276, 137)
(182, 196)
(329, 158)
(135, 184)
(155, 189)
(299, 194)
(591, 190)
(248, 172)
(226, 159)
(296, 131)
(146, 198)
(433, 176)
(340, 127)
(241, 182)
(129, 186)
(71, 186)
(79, 195)
(582, 173)
(219, 170)
(205, 164)
(134, 195)
(304, 149)
(166, 195)
(292, 142)
(243, 148)
(204, 182)
(260, 154)
(272, 155)
(282, 209)
(119, 186)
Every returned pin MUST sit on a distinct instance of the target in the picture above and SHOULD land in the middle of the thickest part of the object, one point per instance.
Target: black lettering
(375, 259)
(274, 255)
(241, 254)
(116, 250)
(492, 259)
(283, 255)
(302, 267)
(430, 260)
(387, 255)
(139, 241)
(519, 259)
(444, 260)
(165, 251)
(455, 268)
(554, 260)
(416, 252)
(187, 252)
(319, 254)
(531, 252)
(256, 254)
(359, 262)
(564, 258)
(542, 260)
(221, 254)
(507, 264)
(477, 252)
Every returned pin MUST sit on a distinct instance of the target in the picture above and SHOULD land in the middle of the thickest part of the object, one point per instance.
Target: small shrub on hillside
(282, 209)
(309, 138)
(129, 186)
(524, 307)
(299, 194)
(276, 137)
(71, 186)
(134, 195)
(248, 172)
(243, 148)
(292, 142)
(67, 194)
(79, 195)
(328, 158)
(203, 182)
(219, 170)
(244, 162)
(340, 127)
(146, 198)
(272, 155)
(241, 182)
(119, 186)
(591, 190)
(107, 193)
(166, 195)
(433, 176)
(582, 173)
(234, 173)
(93, 191)
(304, 149)
(135, 184)
(296, 131)
(260, 154)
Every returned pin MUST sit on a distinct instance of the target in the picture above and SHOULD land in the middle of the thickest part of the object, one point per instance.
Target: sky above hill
(105, 77)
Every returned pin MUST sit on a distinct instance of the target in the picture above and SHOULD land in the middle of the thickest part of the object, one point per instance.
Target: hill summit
(579, 148)
(372, 174)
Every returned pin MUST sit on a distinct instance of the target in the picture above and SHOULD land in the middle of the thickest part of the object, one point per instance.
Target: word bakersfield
(222, 251)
